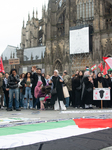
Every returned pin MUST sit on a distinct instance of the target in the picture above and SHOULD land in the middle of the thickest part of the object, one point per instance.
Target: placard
(101, 94)
(14, 61)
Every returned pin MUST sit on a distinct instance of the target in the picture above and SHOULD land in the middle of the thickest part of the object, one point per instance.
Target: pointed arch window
(85, 10)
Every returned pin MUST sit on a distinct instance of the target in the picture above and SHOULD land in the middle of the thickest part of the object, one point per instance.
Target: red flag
(108, 60)
(100, 66)
(1, 66)
(106, 69)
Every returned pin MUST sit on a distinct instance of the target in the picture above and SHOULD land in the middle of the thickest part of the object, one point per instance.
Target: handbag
(65, 92)
(54, 91)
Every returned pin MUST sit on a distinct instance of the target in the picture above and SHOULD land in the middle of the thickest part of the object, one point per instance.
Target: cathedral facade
(64, 14)
(52, 32)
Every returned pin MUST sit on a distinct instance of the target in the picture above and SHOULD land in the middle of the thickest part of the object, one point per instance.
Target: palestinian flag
(93, 67)
(79, 134)
(108, 60)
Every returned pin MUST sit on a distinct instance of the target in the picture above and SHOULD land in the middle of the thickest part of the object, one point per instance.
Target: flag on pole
(108, 60)
(1, 66)
(106, 69)
(93, 67)
(100, 66)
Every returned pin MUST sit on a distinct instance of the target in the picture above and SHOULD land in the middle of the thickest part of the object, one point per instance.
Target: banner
(101, 94)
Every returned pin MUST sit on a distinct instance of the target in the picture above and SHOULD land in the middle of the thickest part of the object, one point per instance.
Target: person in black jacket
(37, 76)
(13, 81)
(87, 91)
(6, 89)
(78, 89)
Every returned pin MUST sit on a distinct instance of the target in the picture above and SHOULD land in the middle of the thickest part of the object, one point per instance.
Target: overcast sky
(12, 13)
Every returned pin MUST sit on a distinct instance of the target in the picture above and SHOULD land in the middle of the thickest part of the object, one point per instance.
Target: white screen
(79, 41)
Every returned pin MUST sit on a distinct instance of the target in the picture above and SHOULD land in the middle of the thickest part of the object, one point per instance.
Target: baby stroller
(48, 102)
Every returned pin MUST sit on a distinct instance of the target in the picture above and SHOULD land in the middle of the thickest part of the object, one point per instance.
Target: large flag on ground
(93, 67)
(100, 66)
(1, 66)
(73, 134)
(108, 60)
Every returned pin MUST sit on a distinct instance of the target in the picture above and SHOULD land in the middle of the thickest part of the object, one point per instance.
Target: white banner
(101, 94)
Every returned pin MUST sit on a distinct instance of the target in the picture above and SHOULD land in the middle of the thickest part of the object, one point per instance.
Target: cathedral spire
(28, 16)
(23, 23)
(36, 14)
(33, 12)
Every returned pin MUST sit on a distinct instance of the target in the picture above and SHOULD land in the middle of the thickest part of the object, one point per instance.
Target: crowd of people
(31, 90)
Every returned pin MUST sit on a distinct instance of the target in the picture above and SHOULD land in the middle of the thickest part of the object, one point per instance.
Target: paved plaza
(51, 115)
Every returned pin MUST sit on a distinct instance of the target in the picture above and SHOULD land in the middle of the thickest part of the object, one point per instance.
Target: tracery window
(85, 10)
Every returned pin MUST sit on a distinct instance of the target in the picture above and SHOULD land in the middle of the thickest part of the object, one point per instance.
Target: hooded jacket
(37, 89)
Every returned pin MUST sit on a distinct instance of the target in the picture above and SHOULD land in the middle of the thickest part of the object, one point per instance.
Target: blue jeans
(67, 101)
(26, 96)
(4, 101)
(11, 92)
(21, 100)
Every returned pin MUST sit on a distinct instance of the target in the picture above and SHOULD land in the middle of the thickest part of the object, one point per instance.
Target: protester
(41, 96)
(78, 89)
(87, 91)
(73, 89)
(68, 82)
(35, 80)
(42, 79)
(57, 96)
(27, 85)
(13, 81)
(21, 90)
(47, 79)
(6, 89)
(100, 82)
(36, 91)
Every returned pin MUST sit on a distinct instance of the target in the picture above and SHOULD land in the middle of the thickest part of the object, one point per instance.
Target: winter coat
(23, 84)
(59, 95)
(2, 86)
(37, 89)
(13, 81)
(68, 82)
(103, 81)
(42, 93)
(87, 95)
